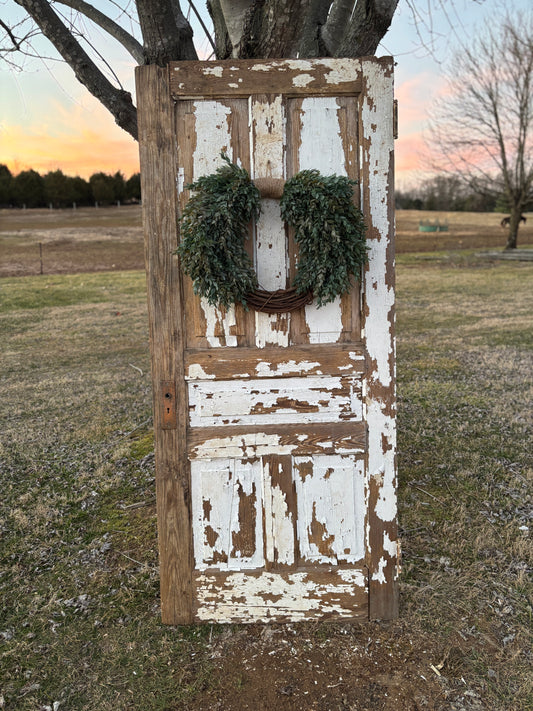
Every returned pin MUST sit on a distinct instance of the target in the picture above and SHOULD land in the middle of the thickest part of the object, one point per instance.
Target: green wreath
(328, 229)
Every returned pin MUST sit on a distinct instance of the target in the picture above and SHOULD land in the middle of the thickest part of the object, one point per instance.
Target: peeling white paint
(215, 71)
(269, 127)
(215, 318)
(342, 71)
(260, 67)
(196, 372)
(379, 575)
(303, 80)
(181, 180)
(251, 598)
(289, 400)
(321, 143)
(325, 323)
(382, 433)
(212, 136)
(269, 370)
(216, 486)
(390, 546)
(279, 525)
(330, 496)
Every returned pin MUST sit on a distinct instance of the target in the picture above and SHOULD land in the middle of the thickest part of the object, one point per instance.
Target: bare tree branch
(203, 25)
(16, 42)
(110, 26)
(117, 101)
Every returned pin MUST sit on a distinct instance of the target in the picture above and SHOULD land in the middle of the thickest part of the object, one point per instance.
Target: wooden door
(275, 434)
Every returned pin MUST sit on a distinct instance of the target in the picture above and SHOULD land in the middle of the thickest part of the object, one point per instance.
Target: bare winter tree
(242, 29)
(483, 126)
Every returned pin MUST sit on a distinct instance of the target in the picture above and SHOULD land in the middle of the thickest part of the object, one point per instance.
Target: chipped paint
(212, 136)
(269, 370)
(279, 522)
(196, 372)
(226, 513)
(339, 72)
(300, 596)
(325, 323)
(330, 496)
(271, 255)
(219, 324)
(303, 79)
(290, 400)
(379, 575)
(215, 71)
(379, 293)
(390, 546)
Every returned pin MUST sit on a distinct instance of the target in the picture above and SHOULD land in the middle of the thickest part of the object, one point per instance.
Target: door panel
(330, 511)
(227, 513)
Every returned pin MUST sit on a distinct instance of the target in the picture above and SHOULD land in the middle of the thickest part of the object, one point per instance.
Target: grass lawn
(79, 616)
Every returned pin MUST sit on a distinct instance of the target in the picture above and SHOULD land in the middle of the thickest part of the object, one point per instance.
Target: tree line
(30, 189)
(453, 194)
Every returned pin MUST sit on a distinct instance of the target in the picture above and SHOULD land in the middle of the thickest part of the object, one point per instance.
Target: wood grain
(165, 314)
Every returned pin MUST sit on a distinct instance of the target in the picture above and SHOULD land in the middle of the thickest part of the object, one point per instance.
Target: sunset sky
(48, 121)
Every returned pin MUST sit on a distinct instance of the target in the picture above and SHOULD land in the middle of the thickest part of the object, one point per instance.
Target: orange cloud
(80, 142)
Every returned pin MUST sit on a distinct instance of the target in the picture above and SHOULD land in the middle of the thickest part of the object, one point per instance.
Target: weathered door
(275, 434)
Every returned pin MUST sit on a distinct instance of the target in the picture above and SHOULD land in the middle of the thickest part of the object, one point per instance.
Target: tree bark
(369, 22)
(222, 41)
(117, 101)
(167, 34)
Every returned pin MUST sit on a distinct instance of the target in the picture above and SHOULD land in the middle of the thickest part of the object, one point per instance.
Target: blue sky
(48, 121)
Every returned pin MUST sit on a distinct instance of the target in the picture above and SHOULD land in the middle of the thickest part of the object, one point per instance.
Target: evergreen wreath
(214, 226)
(329, 231)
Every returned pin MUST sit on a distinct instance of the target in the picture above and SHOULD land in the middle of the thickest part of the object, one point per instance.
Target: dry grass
(467, 230)
(77, 518)
(110, 239)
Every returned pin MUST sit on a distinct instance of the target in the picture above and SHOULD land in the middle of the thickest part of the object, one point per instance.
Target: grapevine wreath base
(328, 229)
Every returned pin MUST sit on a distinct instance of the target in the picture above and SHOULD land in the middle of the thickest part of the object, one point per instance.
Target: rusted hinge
(168, 405)
(395, 119)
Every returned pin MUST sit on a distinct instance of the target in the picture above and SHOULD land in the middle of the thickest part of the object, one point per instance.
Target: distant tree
(56, 189)
(102, 188)
(119, 186)
(483, 128)
(28, 189)
(6, 185)
(133, 187)
(79, 191)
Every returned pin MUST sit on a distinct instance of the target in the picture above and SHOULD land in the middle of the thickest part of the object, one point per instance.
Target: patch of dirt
(325, 667)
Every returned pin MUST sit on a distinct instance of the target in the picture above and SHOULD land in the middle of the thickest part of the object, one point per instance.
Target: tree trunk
(166, 33)
(514, 223)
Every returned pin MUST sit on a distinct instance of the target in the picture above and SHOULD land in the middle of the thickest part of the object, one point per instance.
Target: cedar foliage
(329, 231)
